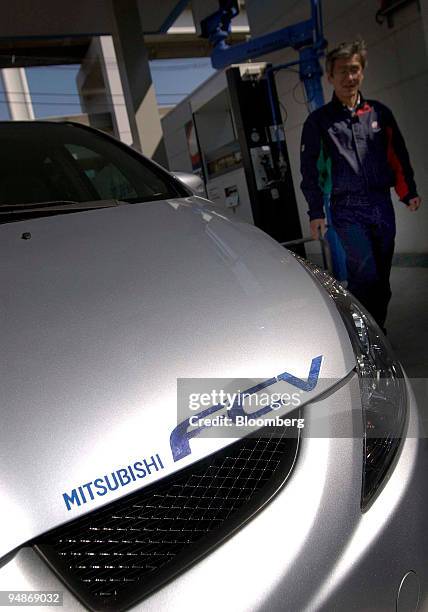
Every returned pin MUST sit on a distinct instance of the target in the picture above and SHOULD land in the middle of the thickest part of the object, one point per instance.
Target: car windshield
(43, 162)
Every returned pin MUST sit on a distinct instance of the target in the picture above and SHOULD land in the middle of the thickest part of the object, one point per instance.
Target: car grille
(113, 557)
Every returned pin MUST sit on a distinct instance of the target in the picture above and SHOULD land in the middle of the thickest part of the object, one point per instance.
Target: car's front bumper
(310, 547)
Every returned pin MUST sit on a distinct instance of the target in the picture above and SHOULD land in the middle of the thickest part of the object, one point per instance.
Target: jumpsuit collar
(340, 106)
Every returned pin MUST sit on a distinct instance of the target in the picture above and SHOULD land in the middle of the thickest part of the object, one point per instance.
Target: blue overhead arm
(305, 37)
(295, 36)
(217, 27)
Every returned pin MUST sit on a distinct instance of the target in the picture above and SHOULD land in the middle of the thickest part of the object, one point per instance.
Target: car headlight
(382, 385)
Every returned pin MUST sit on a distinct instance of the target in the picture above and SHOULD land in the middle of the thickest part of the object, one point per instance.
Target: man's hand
(317, 225)
(414, 203)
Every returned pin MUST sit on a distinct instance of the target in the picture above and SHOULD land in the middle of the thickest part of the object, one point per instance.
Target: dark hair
(345, 51)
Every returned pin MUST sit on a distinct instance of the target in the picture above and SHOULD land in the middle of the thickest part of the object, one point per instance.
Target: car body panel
(101, 311)
(310, 548)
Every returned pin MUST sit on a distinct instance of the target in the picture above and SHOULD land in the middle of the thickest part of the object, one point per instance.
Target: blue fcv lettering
(180, 436)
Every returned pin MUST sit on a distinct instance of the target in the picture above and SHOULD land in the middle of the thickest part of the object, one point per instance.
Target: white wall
(202, 99)
(397, 75)
(173, 127)
(215, 129)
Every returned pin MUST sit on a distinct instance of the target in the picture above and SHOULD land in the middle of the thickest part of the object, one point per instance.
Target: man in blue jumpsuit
(353, 150)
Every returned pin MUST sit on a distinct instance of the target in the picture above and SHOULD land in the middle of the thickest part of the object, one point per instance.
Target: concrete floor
(407, 326)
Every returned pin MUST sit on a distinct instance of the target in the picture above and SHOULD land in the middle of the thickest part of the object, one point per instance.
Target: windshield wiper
(57, 205)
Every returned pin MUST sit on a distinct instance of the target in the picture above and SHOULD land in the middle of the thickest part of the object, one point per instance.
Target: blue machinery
(305, 37)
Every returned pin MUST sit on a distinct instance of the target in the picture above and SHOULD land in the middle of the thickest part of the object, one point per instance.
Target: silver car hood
(101, 312)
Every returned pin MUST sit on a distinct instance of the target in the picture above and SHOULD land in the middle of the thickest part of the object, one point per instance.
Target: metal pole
(325, 250)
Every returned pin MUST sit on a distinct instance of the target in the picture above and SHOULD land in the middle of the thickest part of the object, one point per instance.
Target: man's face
(346, 77)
